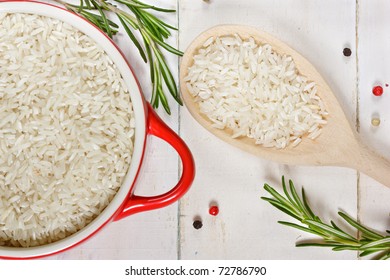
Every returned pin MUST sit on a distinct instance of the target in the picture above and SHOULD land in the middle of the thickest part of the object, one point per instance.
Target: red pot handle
(159, 129)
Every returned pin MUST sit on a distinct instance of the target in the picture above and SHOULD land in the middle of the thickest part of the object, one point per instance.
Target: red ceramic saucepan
(147, 123)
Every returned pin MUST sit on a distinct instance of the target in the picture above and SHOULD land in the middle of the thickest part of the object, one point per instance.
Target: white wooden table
(246, 227)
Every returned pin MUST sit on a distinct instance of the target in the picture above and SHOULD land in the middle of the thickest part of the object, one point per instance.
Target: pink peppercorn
(214, 210)
(377, 90)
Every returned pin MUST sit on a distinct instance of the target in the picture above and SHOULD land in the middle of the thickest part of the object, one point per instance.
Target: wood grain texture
(374, 61)
(151, 235)
(246, 226)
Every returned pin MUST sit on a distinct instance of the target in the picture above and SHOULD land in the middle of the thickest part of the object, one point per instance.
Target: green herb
(136, 17)
(331, 235)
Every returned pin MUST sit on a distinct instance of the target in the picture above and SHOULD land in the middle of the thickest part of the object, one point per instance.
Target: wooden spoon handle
(374, 165)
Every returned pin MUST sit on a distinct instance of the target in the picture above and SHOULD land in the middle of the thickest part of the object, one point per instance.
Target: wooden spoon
(336, 146)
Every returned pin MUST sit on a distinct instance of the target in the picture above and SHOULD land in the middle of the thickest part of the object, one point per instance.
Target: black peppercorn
(197, 224)
(347, 52)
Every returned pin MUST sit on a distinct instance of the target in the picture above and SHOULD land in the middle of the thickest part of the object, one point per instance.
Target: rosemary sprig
(136, 17)
(331, 235)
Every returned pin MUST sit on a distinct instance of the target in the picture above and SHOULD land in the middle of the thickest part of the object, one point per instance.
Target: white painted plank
(246, 228)
(151, 235)
(374, 61)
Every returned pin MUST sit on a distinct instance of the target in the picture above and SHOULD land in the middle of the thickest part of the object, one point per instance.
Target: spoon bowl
(338, 145)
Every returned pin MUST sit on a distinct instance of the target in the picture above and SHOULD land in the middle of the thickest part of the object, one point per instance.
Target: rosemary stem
(331, 235)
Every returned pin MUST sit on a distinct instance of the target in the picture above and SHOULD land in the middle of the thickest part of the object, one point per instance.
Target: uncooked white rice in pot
(66, 130)
(255, 92)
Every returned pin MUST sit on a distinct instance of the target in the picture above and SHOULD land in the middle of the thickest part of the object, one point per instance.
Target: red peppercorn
(377, 90)
(214, 210)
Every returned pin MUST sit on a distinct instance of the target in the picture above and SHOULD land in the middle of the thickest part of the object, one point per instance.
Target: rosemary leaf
(331, 235)
(151, 61)
(81, 5)
(163, 99)
(287, 193)
(104, 18)
(282, 207)
(365, 231)
(372, 251)
(88, 3)
(300, 227)
(383, 241)
(297, 200)
(154, 7)
(167, 75)
(132, 3)
(346, 247)
(280, 198)
(148, 26)
(306, 205)
(316, 245)
(133, 38)
(160, 22)
(332, 231)
(165, 45)
(156, 75)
